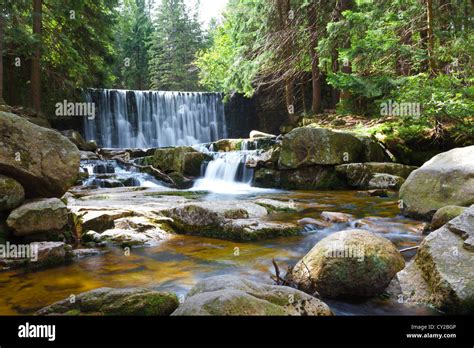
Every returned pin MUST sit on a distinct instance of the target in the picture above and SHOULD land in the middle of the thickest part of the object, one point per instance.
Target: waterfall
(228, 172)
(146, 119)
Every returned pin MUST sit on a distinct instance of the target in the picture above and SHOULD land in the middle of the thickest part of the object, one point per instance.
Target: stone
(43, 255)
(235, 296)
(348, 264)
(444, 215)
(43, 161)
(226, 145)
(116, 302)
(171, 159)
(12, 193)
(385, 181)
(314, 222)
(193, 163)
(359, 175)
(336, 217)
(310, 178)
(267, 178)
(446, 179)
(40, 215)
(307, 146)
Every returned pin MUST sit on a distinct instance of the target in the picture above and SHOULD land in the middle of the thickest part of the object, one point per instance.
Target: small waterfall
(227, 172)
(146, 119)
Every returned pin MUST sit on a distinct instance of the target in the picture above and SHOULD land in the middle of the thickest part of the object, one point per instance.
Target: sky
(210, 8)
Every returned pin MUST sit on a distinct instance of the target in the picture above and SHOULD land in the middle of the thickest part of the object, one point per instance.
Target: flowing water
(146, 119)
(178, 263)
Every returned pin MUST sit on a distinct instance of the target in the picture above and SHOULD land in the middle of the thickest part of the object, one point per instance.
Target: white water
(146, 119)
(227, 172)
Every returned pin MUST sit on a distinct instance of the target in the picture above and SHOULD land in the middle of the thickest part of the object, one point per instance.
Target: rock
(373, 150)
(267, 178)
(336, 217)
(83, 253)
(88, 156)
(378, 193)
(127, 237)
(307, 146)
(444, 215)
(76, 138)
(257, 134)
(12, 193)
(446, 179)
(193, 163)
(171, 159)
(273, 205)
(252, 230)
(314, 222)
(41, 215)
(103, 168)
(386, 181)
(442, 271)
(43, 161)
(226, 145)
(117, 302)
(267, 158)
(352, 263)
(359, 175)
(236, 296)
(102, 220)
(310, 178)
(130, 182)
(40, 255)
(181, 181)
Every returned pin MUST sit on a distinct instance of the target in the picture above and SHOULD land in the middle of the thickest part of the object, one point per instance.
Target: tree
(36, 59)
(1, 54)
(174, 44)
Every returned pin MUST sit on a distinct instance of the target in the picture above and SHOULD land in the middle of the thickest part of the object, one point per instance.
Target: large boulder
(12, 193)
(307, 146)
(446, 179)
(310, 178)
(42, 160)
(442, 271)
(171, 159)
(193, 163)
(359, 175)
(352, 263)
(119, 302)
(236, 296)
(40, 215)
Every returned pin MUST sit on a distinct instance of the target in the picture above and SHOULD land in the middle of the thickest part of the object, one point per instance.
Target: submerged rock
(12, 193)
(235, 296)
(41, 215)
(43, 161)
(352, 263)
(307, 146)
(446, 179)
(120, 302)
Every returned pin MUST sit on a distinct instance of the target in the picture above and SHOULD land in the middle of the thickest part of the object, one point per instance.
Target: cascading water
(146, 119)
(228, 171)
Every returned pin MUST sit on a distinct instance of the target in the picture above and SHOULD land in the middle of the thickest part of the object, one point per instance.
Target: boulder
(43, 161)
(116, 302)
(40, 215)
(446, 179)
(373, 149)
(235, 296)
(385, 181)
(359, 175)
(442, 271)
(444, 215)
(307, 146)
(348, 264)
(267, 178)
(12, 193)
(310, 178)
(171, 159)
(193, 163)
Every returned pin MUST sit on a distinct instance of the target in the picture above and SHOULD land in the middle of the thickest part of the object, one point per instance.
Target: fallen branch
(157, 173)
(276, 277)
(409, 249)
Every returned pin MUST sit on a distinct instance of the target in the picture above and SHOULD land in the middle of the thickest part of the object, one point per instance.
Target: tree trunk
(346, 67)
(315, 71)
(284, 12)
(429, 13)
(1, 56)
(35, 61)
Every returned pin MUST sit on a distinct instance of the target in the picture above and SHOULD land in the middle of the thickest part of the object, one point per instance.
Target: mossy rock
(12, 193)
(171, 159)
(445, 214)
(116, 302)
